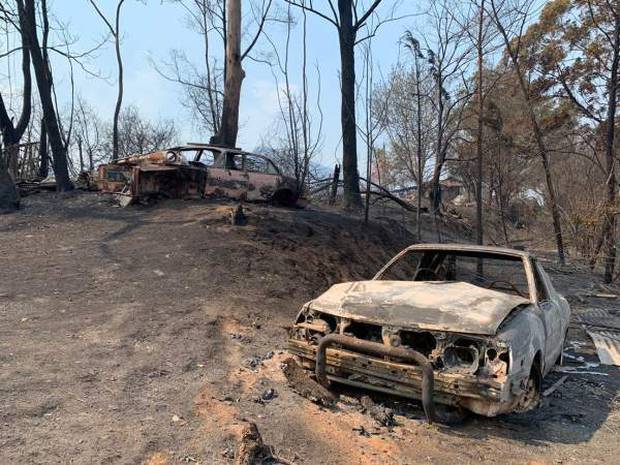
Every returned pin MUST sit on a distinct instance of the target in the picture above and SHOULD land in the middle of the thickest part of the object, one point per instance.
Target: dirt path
(149, 335)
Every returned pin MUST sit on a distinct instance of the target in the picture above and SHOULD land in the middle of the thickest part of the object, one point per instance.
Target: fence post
(332, 196)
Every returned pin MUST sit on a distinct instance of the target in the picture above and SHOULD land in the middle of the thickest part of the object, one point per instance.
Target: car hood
(440, 306)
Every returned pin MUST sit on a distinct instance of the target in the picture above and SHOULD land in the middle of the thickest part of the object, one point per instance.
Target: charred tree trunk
(44, 164)
(121, 87)
(115, 32)
(479, 164)
(81, 154)
(229, 127)
(435, 193)
(420, 180)
(44, 84)
(609, 224)
(347, 36)
(9, 195)
(12, 134)
(334, 190)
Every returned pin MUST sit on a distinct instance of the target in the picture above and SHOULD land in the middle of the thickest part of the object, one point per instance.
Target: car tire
(284, 198)
(450, 416)
(531, 396)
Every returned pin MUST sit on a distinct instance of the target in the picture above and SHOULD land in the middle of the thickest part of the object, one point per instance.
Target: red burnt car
(197, 170)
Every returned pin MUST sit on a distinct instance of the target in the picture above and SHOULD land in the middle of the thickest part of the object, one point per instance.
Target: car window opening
(490, 271)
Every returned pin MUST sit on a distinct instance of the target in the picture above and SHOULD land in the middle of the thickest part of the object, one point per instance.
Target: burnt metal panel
(445, 306)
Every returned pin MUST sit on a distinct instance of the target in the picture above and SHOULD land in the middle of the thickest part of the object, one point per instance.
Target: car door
(263, 177)
(553, 314)
(227, 177)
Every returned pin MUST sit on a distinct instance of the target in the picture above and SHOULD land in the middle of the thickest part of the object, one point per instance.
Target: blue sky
(152, 29)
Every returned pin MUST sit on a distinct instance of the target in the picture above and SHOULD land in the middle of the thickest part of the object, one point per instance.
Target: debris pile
(382, 415)
(299, 380)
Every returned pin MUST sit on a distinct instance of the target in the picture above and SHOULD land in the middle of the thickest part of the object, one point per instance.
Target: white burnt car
(471, 327)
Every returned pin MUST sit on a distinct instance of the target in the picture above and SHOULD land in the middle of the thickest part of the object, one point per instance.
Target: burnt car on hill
(471, 327)
(197, 170)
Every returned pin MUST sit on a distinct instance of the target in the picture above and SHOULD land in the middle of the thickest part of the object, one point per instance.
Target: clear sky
(152, 28)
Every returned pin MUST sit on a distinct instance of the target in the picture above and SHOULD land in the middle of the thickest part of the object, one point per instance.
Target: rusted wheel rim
(530, 396)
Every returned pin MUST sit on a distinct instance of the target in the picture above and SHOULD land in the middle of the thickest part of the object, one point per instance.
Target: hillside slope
(147, 335)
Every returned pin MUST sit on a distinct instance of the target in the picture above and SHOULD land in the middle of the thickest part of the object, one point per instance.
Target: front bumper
(484, 396)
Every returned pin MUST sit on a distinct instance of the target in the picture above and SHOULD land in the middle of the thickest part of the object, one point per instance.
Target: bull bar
(375, 348)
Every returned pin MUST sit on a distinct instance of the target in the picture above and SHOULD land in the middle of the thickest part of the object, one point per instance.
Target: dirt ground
(148, 335)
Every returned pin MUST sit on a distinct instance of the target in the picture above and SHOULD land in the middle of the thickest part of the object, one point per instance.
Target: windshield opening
(502, 273)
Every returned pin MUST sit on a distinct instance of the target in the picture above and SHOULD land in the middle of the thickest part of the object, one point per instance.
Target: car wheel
(450, 416)
(284, 198)
(531, 395)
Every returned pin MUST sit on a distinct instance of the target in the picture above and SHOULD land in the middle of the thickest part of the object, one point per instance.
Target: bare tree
(44, 165)
(349, 18)
(370, 131)
(520, 17)
(114, 30)
(480, 131)
(229, 127)
(11, 132)
(234, 74)
(414, 47)
(91, 132)
(137, 135)
(449, 55)
(573, 51)
(202, 84)
(614, 84)
(43, 74)
(302, 139)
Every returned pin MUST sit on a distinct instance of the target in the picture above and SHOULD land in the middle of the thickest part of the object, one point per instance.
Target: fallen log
(382, 192)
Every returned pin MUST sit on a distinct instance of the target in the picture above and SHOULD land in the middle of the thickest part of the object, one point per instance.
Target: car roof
(221, 148)
(199, 146)
(202, 147)
(484, 249)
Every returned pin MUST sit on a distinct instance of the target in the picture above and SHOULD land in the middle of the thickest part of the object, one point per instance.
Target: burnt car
(470, 327)
(197, 170)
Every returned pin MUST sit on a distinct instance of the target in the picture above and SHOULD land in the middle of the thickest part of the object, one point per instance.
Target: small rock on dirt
(269, 394)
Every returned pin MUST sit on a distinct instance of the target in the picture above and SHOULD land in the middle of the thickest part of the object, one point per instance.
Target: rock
(254, 362)
(269, 394)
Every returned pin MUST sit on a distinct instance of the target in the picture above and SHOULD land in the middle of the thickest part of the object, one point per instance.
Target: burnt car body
(194, 171)
(471, 327)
